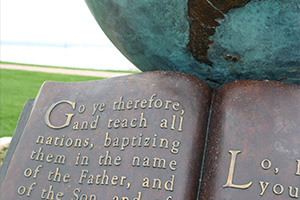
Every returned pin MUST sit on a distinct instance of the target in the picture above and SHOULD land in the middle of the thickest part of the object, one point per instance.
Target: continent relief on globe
(204, 22)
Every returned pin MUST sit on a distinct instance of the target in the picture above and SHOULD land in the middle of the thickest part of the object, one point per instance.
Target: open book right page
(253, 149)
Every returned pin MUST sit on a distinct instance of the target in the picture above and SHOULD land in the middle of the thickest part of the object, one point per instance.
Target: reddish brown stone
(261, 119)
(179, 180)
(251, 148)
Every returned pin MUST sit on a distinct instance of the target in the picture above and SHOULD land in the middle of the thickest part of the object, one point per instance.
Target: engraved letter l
(231, 172)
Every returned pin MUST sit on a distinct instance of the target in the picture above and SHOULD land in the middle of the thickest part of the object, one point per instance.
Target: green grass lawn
(16, 86)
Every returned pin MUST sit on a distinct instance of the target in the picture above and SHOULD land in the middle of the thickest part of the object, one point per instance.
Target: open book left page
(133, 137)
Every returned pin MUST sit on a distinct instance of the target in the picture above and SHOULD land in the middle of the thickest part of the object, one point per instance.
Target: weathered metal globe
(216, 40)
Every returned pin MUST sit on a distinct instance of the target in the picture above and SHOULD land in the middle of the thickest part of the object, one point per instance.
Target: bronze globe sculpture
(217, 41)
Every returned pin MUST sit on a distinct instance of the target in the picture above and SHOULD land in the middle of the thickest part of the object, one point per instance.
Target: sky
(55, 32)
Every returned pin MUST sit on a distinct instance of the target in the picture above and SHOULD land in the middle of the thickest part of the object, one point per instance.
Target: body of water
(77, 56)
(56, 32)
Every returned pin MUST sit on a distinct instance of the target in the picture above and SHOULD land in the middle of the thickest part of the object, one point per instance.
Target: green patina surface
(241, 39)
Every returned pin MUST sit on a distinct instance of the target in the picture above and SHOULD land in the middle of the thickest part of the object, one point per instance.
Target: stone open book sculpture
(157, 135)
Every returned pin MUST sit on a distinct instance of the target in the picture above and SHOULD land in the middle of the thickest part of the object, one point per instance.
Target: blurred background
(56, 33)
(48, 33)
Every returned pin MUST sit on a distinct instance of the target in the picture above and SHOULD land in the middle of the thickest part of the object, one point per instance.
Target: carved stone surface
(217, 41)
(133, 137)
(16, 137)
(145, 136)
(253, 145)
